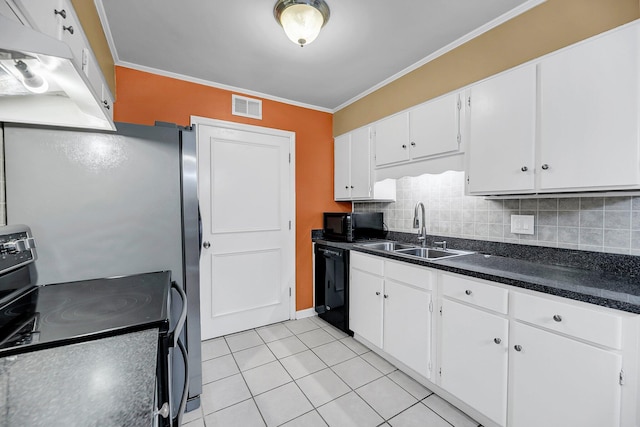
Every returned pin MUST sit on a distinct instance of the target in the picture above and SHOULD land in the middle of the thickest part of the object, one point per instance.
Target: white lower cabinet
(365, 305)
(474, 358)
(510, 357)
(389, 306)
(556, 381)
(407, 325)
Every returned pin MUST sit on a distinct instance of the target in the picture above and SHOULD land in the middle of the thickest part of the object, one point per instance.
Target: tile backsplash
(601, 224)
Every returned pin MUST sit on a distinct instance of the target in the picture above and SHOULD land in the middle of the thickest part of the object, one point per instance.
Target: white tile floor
(307, 373)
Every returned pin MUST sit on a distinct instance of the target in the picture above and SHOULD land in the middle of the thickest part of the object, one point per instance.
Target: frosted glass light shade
(301, 23)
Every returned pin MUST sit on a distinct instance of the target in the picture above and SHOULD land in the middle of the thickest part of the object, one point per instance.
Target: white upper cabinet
(502, 123)
(57, 19)
(567, 122)
(429, 130)
(392, 139)
(434, 127)
(353, 173)
(589, 114)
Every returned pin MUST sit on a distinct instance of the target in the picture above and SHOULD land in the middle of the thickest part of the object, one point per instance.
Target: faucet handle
(442, 244)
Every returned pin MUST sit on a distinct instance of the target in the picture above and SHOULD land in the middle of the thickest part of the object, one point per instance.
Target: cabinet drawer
(405, 273)
(476, 293)
(589, 324)
(368, 263)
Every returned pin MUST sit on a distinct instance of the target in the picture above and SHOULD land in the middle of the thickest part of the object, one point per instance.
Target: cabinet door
(474, 358)
(502, 132)
(434, 127)
(71, 33)
(392, 139)
(558, 382)
(589, 114)
(341, 167)
(42, 15)
(407, 325)
(360, 164)
(365, 306)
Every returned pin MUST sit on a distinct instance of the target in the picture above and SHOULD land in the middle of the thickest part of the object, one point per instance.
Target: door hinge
(440, 310)
(440, 371)
(430, 306)
(459, 138)
(289, 157)
(469, 101)
(621, 378)
(289, 291)
(289, 225)
(429, 366)
(467, 179)
(459, 103)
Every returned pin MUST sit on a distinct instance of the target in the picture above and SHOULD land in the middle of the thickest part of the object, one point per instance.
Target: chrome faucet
(416, 224)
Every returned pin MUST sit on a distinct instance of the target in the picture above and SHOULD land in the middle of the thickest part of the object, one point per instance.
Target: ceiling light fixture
(301, 19)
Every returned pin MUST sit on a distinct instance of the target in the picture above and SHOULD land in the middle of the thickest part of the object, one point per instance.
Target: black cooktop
(64, 313)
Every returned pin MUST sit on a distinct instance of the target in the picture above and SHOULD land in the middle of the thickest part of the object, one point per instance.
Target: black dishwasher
(332, 285)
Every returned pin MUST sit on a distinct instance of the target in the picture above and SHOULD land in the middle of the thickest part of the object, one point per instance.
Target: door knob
(524, 169)
(545, 167)
(497, 340)
(61, 12)
(206, 245)
(517, 347)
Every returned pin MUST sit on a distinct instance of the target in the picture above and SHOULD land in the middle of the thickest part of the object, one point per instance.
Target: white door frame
(198, 120)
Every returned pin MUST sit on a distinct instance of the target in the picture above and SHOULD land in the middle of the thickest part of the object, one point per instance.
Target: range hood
(40, 84)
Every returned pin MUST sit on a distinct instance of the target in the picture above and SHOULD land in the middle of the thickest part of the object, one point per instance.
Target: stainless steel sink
(386, 246)
(431, 253)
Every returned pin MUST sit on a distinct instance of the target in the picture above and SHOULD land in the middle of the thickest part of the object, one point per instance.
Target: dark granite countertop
(607, 280)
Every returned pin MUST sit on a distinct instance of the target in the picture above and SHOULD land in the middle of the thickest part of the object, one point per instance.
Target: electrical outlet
(522, 224)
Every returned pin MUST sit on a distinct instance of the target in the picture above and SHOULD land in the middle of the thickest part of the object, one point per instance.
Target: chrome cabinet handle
(557, 318)
(497, 340)
(163, 411)
(413, 144)
(404, 146)
(517, 347)
(524, 169)
(346, 186)
(468, 292)
(377, 293)
(69, 28)
(60, 12)
(206, 245)
(545, 167)
(386, 296)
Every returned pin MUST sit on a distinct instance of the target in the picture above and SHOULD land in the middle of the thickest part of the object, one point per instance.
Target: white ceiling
(239, 44)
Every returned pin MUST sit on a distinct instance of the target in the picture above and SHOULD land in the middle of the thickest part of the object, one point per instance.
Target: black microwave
(352, 226)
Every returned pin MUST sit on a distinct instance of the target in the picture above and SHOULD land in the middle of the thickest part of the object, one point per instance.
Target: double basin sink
(414, 251)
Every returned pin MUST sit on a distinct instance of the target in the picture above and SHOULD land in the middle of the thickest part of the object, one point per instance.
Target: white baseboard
(309, 312)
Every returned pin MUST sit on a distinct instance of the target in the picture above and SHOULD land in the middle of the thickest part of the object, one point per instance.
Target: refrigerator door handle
(199, 232)
(177, 420)
(175, 333)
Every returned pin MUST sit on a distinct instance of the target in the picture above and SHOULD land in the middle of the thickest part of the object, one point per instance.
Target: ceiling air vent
(246, 107)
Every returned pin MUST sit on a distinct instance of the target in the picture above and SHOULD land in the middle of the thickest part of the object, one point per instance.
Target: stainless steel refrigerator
(109, 204)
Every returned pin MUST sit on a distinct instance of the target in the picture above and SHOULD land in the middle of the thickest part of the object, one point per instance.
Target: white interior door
(246, 193)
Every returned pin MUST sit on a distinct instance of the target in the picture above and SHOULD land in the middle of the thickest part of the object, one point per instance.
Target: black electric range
(65, 313)
(34, 318)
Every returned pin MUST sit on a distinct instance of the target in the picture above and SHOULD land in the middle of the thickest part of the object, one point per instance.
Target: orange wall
(144, 98)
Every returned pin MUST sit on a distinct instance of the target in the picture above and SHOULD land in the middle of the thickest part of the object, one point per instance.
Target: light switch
(522, 224)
